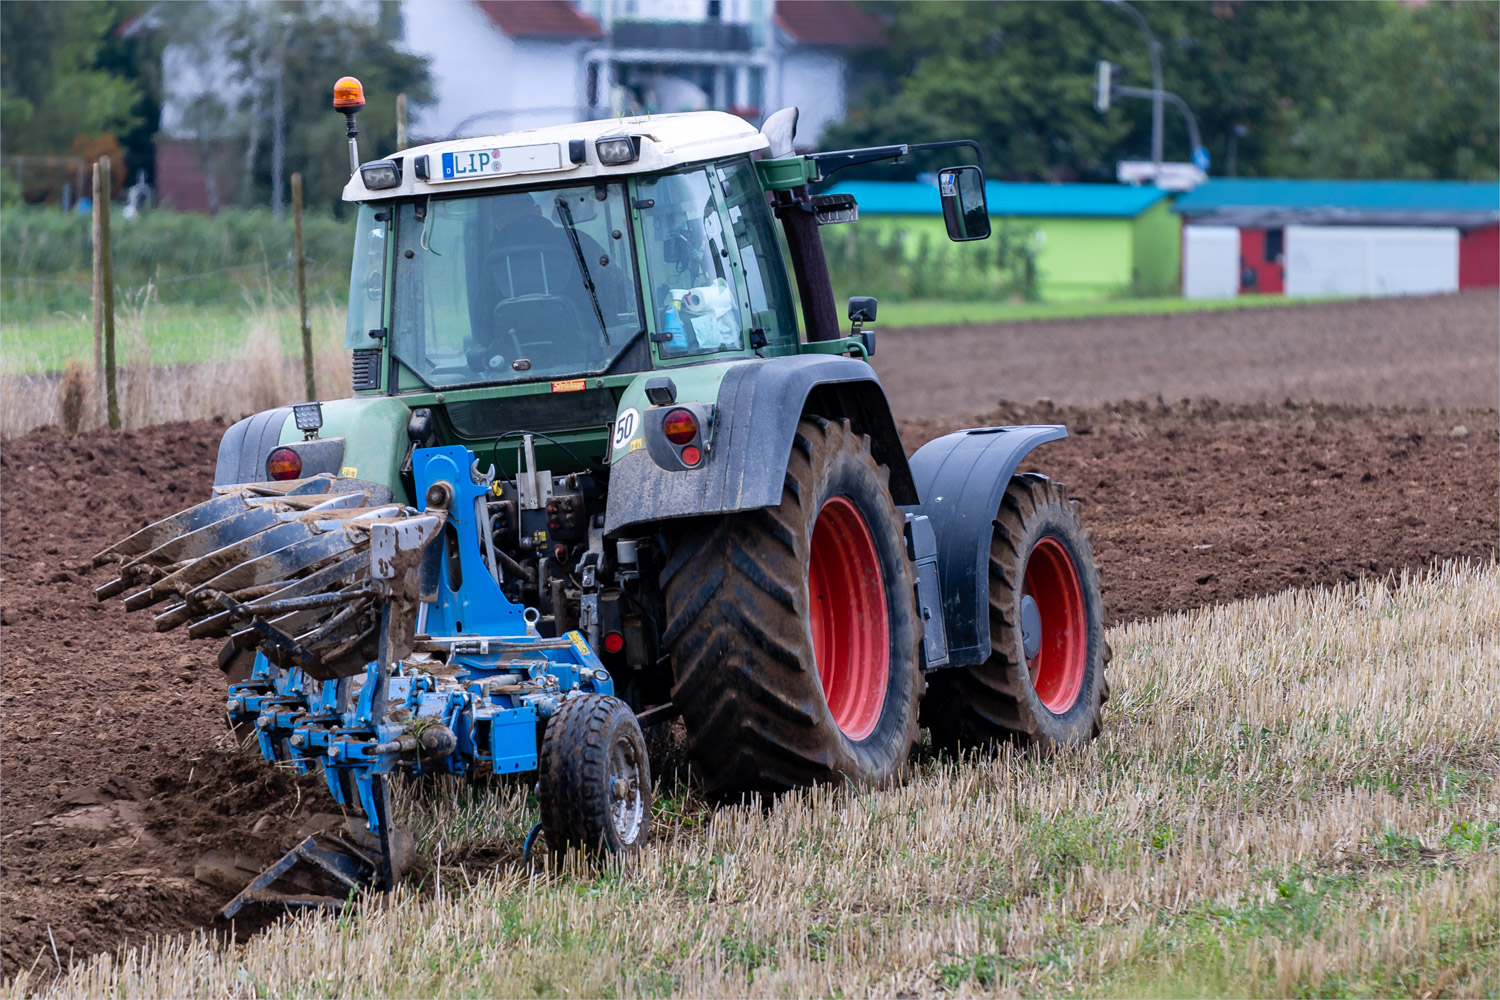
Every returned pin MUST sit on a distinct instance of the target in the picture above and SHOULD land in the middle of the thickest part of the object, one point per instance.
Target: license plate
(469, 163)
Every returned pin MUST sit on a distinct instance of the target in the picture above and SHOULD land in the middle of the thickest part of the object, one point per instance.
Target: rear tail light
(284, 463)
(680, 426)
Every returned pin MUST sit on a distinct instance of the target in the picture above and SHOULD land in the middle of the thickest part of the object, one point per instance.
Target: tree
(60, 80)
(1278, 88)
(285, 58)
(1421, 100)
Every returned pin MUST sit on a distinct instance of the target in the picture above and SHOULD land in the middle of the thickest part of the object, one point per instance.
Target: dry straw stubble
(1293, 795)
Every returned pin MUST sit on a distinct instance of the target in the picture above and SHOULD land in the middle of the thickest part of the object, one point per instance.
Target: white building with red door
(1320, 238)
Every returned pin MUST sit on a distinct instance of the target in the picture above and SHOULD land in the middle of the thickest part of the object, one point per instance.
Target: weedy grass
(949, 312)
(178, 362)
(1294, 796)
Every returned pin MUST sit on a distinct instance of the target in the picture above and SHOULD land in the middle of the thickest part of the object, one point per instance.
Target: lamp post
(1154, 47)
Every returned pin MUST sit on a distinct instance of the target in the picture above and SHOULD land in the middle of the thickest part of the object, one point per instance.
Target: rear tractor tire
(793, 630)
(595, 782)
(1044, 682)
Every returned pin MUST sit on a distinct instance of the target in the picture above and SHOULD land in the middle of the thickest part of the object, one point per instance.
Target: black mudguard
(961, 478)
(244, 447)
(759, 405)
(248, 443)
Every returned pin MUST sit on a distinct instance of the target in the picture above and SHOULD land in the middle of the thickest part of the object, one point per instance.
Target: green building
(1086, 241)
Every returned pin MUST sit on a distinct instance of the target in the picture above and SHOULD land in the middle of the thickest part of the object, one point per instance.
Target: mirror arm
(832, 162)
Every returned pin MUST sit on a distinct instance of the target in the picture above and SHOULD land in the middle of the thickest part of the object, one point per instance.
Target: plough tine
(154, 535)
(200, 571)
(346, 870)
(298, 554)
(230, 501)
(310, 584)
(211, 537)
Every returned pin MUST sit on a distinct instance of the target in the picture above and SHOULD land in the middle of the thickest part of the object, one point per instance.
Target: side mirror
(964, 211)
(862, 311)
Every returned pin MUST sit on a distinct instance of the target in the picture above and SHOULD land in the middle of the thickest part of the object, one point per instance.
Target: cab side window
(760, 254)
(691, 281)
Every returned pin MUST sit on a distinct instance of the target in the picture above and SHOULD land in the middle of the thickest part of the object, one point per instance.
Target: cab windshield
(515, 285)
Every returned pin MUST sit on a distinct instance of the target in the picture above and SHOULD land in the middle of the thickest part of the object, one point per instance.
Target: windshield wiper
(588, 280)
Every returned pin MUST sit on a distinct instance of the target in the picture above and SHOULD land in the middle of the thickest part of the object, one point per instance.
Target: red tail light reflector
(613, 642)
(691, 455)
(284, 463)
(680, 426)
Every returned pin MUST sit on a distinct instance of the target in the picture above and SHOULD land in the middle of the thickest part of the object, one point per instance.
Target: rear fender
(362, 438)
(757, 407)
(961, 478)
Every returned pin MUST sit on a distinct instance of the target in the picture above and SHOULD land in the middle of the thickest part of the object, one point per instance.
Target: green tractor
(659, 462)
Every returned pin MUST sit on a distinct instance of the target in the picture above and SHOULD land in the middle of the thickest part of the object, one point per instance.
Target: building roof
(1035, 200)
(539, 19)
(1271, 201)
(829, 22)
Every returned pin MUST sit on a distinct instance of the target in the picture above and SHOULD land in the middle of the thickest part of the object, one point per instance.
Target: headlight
(618, 149)
(380, 175)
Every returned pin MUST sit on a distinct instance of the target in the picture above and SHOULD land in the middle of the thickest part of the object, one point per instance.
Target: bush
(901, 266)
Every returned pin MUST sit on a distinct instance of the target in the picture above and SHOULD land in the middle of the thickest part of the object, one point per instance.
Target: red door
(1262, 259)
(1479, 258)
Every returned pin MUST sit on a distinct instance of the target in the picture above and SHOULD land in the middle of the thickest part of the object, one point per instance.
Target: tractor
(598, 472)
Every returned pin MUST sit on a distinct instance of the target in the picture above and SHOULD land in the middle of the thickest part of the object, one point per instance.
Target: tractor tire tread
(975, 706)
(737, 630)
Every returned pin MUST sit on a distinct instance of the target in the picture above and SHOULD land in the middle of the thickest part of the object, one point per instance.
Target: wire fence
(46, 259)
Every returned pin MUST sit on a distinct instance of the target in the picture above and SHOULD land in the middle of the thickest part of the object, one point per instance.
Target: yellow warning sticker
(349, 472)
(576, 638)
(637, 444)
(569, 385)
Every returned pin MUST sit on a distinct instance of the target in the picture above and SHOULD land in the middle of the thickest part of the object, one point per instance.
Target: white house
(502, 65)
(505, 65)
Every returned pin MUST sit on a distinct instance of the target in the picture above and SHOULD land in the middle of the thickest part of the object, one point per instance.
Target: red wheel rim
(850, 634)
(1059, 665)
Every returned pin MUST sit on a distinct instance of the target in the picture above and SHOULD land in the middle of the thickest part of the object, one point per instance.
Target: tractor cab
(598, 249)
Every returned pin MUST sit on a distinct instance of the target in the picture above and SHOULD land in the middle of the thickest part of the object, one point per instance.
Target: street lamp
(1156, 99)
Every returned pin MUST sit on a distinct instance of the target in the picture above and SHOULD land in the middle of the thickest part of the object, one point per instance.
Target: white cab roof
(541, 156)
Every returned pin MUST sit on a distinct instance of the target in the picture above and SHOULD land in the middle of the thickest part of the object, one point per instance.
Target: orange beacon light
(349, 97)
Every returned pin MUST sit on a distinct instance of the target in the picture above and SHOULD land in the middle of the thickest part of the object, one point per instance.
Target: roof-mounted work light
(348, 98)
(381, 174)
(617, 149)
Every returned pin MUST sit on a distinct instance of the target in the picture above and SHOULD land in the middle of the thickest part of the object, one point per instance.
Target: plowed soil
(127, 812)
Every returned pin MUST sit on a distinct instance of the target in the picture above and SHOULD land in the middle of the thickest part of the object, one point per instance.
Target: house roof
(539, 18)
(829, 22)
(1070, 200)
(1272, 201)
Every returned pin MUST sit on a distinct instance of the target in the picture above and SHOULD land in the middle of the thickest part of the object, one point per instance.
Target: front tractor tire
(793, 630)
(1044, 683)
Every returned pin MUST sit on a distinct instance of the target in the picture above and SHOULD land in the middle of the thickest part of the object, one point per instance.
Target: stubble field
(1293, 794)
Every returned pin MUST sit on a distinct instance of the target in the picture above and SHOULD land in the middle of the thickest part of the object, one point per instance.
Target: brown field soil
(1442, 351)
(124, 804)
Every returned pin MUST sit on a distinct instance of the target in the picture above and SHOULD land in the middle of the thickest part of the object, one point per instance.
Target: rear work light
(284, 463)
(680, 426)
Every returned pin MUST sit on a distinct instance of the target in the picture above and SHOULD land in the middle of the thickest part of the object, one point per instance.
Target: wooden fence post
(307, 348)
(98, 300)
(104, 268)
